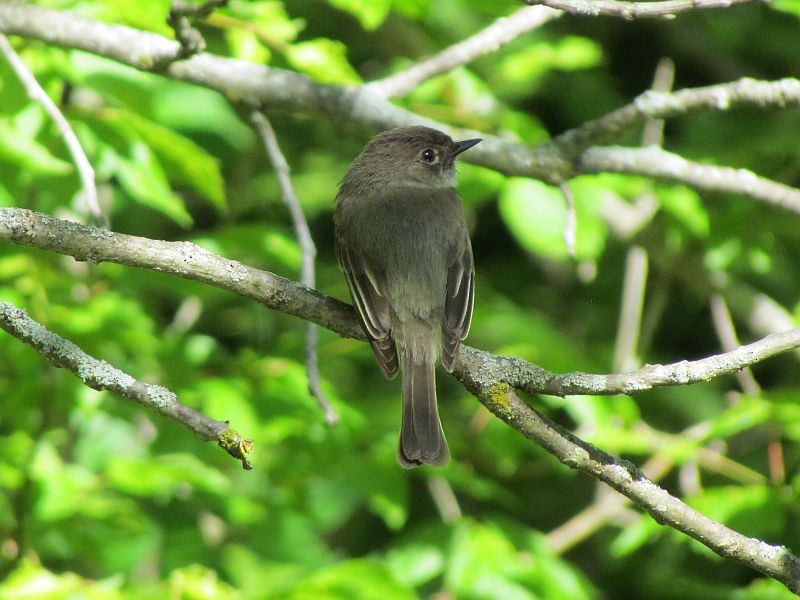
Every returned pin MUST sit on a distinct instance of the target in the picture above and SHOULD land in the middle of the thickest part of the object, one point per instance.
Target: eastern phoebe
(403, 245)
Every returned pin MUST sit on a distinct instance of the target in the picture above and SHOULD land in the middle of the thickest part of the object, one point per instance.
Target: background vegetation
(102, 499)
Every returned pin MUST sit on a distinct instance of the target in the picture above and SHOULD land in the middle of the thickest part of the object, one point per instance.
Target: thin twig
(630, 312)
(99, 375)
(500, 32)
(308, 250)
(726, 332)
(571, 224)
(663, 78)
(37, 94)
(444, 498)
(179, 18)
(634, 284)
(664, 9)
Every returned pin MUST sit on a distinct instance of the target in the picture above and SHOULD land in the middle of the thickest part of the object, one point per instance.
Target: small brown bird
(403, 245)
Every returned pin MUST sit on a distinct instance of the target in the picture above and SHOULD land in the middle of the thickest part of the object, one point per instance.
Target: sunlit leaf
(183, 160)
(27, 153)
(324, 59)
(536, 214)
(370, 13)
(142, 177)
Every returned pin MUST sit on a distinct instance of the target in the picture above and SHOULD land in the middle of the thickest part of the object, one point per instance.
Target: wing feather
(458, 303)
(368, 289)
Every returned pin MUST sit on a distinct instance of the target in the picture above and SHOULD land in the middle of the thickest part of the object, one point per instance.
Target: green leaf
(245, 45)
(323, 59)
(353, 580)
(484, 564)
(415, 564)
(194, 109)
(520, 72)
(185, 161)
(753, 510)
(142, 14)
(370, 13)
(536, 214)
(163, 476)
(142, 177)
(414, 9)
(267, 19)
(685, 206)
(789, 6)
(31, 581)
(634, 536)
(197, 582)
(29, 155)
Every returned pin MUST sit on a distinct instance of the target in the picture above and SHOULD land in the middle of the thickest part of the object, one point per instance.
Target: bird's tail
(421, 436)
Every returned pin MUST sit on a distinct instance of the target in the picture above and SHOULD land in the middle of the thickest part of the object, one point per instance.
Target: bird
(404, 248)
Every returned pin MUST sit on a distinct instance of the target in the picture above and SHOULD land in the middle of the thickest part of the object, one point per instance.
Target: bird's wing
(368, 289)
(458, 303)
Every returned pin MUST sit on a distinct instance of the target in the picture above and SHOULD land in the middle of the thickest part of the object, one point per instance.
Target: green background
(102, 499)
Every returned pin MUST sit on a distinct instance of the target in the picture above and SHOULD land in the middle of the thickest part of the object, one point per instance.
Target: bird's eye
(428, 156)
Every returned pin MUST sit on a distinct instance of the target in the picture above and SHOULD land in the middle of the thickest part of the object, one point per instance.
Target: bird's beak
(464, 145)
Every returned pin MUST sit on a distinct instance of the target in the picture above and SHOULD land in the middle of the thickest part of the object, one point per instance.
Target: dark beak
(464, 145)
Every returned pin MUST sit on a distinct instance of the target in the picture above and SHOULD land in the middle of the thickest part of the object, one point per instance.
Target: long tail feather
(421, 437)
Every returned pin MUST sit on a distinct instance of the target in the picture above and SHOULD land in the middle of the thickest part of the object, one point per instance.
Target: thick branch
(501, 32)
(184, 259)
(664, 9)
(99, 375)
(86, 243)
(257, 85)
(491, 378)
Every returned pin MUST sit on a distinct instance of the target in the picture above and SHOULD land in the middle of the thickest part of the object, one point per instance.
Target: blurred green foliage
(100, 499)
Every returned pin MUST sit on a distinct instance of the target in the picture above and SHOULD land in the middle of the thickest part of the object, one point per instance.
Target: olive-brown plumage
(403, 246)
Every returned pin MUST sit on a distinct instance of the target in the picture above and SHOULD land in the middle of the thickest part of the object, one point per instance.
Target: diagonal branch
(664, 9)
(491, 378)
(501, 32)
(99, 375)
(775, 561)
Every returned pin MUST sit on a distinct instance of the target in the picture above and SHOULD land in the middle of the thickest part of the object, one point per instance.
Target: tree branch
(501, 32)
(491, 378)
(187, 260)
(775, 561)
(660, 164)
(99, 375)
(258, 85)
(664, 105)
(664, 9)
